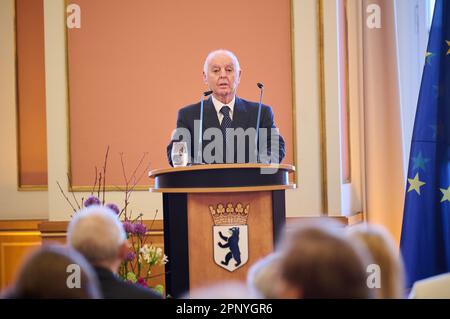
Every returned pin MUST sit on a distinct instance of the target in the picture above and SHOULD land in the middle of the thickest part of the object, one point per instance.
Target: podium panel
(219, 220)
(257, 241)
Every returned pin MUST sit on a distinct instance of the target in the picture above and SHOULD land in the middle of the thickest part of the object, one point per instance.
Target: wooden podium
(219, 220)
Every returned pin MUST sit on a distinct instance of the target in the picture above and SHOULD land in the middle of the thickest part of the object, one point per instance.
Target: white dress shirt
(218, 105)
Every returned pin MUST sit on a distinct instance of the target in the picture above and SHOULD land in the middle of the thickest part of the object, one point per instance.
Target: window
(430, 9)
(413, 26)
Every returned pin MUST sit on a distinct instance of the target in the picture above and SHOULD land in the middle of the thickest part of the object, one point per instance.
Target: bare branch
(73, 194)
(67, 199)
(153, 221)
(123, 169)
(99, 184)
(126, 186)
(139, 164)
(140, 177)
(95, 182)
(104, 174)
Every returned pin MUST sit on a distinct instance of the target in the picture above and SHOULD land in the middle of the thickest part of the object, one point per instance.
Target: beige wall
(13, 204)
(125, 91)
(306, 200)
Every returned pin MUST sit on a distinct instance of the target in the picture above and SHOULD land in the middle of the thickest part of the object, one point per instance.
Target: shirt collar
(218, 105)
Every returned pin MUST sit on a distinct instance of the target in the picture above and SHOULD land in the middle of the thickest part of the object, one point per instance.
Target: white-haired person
(225, 112)
(97, 233)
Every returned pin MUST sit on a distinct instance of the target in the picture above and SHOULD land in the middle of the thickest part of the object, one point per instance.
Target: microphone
(261, 91)
(200, 135)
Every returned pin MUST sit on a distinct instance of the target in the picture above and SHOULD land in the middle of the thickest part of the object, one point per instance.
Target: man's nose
(223, 73)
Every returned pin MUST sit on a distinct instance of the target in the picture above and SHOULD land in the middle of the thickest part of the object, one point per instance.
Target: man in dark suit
(229, 122)
(97, 233)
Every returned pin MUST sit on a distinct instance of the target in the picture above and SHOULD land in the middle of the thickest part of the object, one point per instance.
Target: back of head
(264, 274)
(55, 272)
(97, 233)
(320, 262)
(385, 254)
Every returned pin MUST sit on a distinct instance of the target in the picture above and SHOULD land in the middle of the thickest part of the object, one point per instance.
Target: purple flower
(114, 208)
(140, 229)
(141, 281)
(128, 226)
(91, 200)
(130, 256)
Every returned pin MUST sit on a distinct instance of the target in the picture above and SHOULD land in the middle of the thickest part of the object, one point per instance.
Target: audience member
(97, 233)
(319, 261)
(55, 272)
(263, 275)
(384, 254)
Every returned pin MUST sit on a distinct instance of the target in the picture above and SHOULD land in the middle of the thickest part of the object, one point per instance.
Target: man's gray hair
(97, 233)
(221, 51)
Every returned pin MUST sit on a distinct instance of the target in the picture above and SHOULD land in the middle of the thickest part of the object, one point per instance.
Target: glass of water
(179, 154)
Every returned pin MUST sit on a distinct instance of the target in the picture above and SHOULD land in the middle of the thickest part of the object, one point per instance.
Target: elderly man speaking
(228, 123)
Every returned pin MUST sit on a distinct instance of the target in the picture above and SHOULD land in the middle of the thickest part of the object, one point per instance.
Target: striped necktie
(226, 121)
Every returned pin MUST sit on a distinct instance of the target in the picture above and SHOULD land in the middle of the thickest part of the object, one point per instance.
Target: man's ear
(123, 250)
(205, 78)
(239, 76)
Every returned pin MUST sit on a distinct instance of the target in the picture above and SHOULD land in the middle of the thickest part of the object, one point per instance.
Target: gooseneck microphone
(261, 91)
(200, 135)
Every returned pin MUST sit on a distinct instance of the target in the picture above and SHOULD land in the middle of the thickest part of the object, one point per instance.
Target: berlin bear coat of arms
(230, 235)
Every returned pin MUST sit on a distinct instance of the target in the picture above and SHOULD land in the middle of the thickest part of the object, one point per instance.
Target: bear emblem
(231, 242)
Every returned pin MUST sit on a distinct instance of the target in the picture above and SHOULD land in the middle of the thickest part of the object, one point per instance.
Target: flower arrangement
(143, 256)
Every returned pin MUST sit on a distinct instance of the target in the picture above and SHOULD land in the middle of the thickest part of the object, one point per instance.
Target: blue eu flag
(425, 241)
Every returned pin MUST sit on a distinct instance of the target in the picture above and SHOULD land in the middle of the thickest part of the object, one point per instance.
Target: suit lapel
(210, 118)
(240, 115)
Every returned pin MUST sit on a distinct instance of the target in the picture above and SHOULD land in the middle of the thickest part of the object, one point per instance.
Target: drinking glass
(179, 154)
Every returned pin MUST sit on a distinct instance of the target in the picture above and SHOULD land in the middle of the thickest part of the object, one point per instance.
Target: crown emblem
(229, 215)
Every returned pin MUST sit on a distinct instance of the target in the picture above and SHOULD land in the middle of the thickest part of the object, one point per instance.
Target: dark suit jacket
(245, 115)
(113, 287)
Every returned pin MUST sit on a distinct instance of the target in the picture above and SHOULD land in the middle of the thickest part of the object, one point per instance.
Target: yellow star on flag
(415, 184)
(448, 43)
(428, 56)
(446, 193)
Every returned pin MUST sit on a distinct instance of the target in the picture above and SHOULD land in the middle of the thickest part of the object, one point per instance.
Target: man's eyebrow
(218, 66)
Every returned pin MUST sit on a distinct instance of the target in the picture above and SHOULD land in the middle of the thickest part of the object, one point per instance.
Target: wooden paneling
(203, 269)
(17, 238)
(30, 78)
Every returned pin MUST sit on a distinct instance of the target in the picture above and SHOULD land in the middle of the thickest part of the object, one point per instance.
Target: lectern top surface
(153, 173)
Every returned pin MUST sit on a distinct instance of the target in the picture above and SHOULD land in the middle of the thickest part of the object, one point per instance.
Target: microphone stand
(200, 135)
(261, 88)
